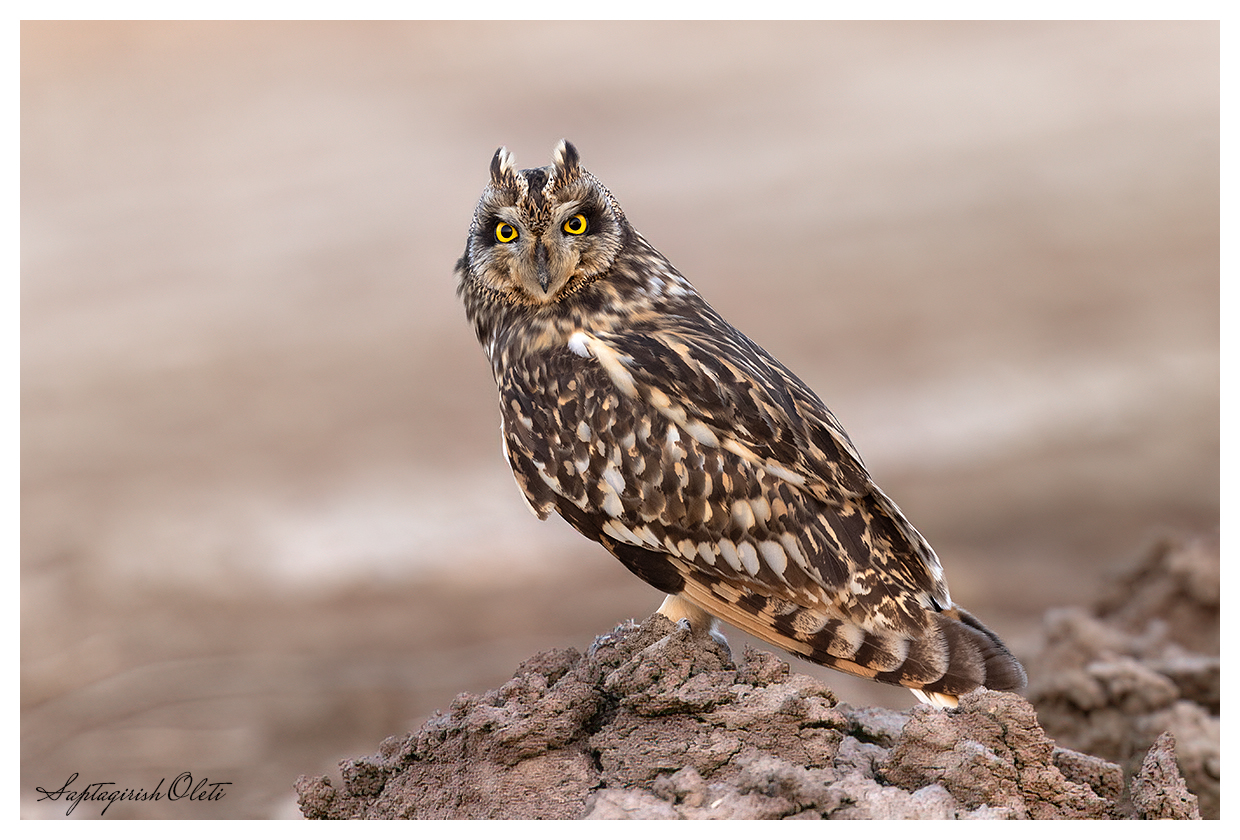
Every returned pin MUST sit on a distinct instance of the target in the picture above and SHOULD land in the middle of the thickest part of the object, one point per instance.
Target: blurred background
(265, 518)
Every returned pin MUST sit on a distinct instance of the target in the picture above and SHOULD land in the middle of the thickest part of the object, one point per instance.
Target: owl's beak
(540, 264)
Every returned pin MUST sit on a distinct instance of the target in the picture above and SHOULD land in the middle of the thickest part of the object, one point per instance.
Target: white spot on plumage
(727, 550)
(646, 536)
(611, 486)
(774, 468)
(846, 640)
(789, 542)
(742, 514)
(612, 506)
(584, 345)
(549, 478)
(774, 557)
(779, 471)
(707, 552)
(583, 432)
(617, 531)
(677, 286)
(694, 428)
(761, 510)
(700, 433)
(682, 474)
(614, 478)
(737, 448)
(749, 558)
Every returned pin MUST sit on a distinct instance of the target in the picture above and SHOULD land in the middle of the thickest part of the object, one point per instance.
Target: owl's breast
(563, 425)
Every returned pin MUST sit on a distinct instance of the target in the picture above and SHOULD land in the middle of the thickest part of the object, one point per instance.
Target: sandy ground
(265, 520)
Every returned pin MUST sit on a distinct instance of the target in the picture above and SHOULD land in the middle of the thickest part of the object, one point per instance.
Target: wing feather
(706, 375)
(714, 473)
(749, 514)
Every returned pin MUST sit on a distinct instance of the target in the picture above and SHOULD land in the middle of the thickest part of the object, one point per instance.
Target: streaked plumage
(654, 427)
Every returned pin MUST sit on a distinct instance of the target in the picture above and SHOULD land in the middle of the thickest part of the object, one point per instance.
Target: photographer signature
(183, 786)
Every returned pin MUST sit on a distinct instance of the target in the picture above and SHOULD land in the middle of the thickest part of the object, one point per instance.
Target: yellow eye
(505, 232)
(576, 225)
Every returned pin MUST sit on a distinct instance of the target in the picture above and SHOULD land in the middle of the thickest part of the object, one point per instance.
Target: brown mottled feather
(654, 427)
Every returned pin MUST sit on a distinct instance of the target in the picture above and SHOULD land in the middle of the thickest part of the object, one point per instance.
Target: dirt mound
(655, 722)
(1143, 661)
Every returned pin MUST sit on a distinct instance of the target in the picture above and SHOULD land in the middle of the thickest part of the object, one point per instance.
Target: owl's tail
(975, 657)
(953, 655)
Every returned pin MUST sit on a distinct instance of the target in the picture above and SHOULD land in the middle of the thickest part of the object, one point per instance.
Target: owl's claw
(713, 631)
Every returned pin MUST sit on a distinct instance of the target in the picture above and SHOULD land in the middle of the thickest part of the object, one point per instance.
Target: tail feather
(953, 655)
(977, 658)
(1003, 671)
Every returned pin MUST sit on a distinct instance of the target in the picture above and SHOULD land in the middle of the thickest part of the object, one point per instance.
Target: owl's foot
(693, 618)
(609, 639)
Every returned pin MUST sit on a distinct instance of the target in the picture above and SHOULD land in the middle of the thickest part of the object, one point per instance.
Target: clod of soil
(1143, 661)
(656, 722)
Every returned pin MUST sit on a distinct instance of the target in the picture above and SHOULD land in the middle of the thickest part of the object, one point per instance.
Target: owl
(633, 410)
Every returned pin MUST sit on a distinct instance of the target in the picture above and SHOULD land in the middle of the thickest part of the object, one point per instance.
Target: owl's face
(538, 235)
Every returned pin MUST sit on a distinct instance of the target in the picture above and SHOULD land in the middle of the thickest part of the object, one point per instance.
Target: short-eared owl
(637, 413)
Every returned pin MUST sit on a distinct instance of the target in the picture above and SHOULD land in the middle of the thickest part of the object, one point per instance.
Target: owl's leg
(681, 610)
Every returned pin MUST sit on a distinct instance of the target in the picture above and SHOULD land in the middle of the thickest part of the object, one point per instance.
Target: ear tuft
(567, 162)
(503, 172)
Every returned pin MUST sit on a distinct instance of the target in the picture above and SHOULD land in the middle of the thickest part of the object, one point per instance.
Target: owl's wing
(726, 391)
(774, 442)
(713, 473)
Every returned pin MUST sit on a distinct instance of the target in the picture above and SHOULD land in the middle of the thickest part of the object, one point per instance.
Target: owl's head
(540, 234)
